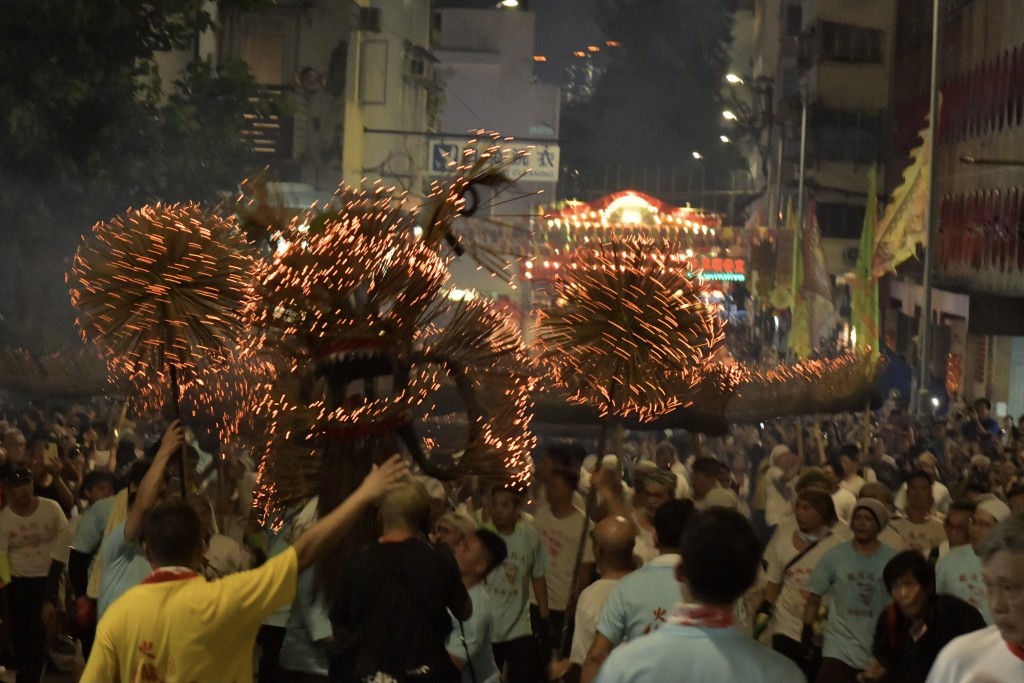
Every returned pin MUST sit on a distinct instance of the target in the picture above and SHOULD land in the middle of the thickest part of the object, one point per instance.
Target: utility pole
(803, 157)
(798, 232)
(925, 336)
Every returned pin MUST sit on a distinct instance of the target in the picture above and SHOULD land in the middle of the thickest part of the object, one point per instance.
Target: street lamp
(734, 79)
(725, 139)
(508, 3)
(728, 115)
(698, 161)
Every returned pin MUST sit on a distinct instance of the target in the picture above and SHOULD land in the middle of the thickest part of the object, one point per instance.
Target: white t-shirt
(682, 480)
(643, 546)
(61, 548)
(923, 537)
(788, 616)
(853, 484)
(28, 540)
(224, 555)
(561, 538)
(979, 657)
(588, 613)
(844, 502)
(778, 506)
(940, 494)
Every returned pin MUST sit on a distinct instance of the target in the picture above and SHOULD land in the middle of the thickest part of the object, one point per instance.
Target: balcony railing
(269, 129)
(983, 258)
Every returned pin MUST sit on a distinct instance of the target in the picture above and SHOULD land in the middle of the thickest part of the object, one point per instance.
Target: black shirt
(909, 661)
(50, 492)
(391, 614)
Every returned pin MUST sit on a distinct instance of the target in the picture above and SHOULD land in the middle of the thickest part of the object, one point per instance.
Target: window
(264, 53)
(847, 135)
(843, 221)
(845, 43)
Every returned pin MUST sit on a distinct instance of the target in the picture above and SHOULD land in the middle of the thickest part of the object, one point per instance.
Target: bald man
(613, 552)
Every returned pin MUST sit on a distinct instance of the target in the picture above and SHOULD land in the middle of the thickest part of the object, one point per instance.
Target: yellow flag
(799, 330)
(864, 289)
(904, 224)
(785, 259)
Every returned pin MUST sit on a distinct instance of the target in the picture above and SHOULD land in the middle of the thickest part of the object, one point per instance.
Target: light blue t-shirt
(642, 601)
(855, 585)
(697, 655)
(89, 533)
(958, 573)
(477, 630)
(308, 625)
(124, 566)
(508, 585)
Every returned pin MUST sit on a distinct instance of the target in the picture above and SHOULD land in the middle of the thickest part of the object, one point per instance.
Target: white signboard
(539, 162)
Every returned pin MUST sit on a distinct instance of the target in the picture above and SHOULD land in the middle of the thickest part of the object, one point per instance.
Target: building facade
(979, 260)
(486, 58)
(357, 88)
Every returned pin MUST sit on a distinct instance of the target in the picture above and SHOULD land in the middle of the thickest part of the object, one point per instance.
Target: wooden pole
(819, 440)
(176, 415)
(800, 437)
(867, 429)
(565, 638)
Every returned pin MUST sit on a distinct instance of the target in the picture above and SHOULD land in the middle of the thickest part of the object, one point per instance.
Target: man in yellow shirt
(177, 627)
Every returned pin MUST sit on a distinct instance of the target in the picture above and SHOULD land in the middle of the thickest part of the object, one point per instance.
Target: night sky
(563, 27)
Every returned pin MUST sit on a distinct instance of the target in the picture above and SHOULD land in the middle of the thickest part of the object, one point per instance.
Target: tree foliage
(90, 126)
(659, 98)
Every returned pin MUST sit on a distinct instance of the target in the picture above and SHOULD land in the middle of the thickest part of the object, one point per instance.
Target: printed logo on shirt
(511, 572)
(659, 617)
(974, 585)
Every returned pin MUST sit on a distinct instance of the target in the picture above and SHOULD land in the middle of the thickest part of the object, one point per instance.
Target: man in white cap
(994, 654)
(451, 529)
(852, 575)
(721, 497)
(779, 492)
(959, 572)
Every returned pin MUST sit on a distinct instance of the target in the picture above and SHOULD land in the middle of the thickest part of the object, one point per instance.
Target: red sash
(687, 614)
(164, 574)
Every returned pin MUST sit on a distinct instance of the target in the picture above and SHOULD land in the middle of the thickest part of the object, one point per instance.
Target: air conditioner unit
(369, 19)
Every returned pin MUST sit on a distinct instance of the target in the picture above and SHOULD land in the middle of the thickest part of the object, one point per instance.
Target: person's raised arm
(335, 524)
(65, 496)
(607, 484)
(150, 487)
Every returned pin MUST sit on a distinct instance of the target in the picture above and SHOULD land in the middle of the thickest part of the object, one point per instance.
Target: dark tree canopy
(659, 99)
(89, 127)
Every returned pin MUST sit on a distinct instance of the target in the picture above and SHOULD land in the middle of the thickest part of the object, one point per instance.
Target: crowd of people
(858, 547)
